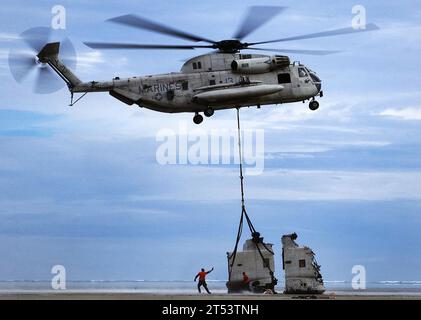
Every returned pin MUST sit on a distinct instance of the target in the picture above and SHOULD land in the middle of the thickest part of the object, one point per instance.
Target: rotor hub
(230, 46)
(39, 63)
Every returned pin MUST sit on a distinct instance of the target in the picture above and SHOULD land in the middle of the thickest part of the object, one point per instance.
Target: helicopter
(222, 79)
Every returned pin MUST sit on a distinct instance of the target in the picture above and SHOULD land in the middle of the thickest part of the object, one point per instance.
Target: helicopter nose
(316, 80)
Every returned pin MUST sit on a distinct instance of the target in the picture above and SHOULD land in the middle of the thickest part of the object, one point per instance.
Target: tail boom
(49, 55)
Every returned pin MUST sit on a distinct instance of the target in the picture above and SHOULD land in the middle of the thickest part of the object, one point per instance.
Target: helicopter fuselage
(216, 81)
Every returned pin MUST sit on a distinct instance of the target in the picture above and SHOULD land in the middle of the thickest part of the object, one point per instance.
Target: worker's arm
(196, 277)
(209, 271)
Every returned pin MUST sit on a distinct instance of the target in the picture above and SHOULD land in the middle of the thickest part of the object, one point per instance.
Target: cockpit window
(315, 78)
(302, 72)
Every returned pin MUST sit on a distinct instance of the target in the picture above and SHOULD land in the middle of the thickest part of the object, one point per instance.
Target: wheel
(197, 119)
(209, 112)
(314, 105)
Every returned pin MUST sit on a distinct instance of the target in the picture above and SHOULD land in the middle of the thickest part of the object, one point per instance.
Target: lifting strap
(255, 235)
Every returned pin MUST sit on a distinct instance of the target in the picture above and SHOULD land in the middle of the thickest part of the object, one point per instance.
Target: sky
(81, 186)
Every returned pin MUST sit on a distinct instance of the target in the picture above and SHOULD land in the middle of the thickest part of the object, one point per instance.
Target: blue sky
(80, 186)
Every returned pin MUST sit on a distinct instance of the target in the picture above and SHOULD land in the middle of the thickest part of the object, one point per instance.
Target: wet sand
(148, 296)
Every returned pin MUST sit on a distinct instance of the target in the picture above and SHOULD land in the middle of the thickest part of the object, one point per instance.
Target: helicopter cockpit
(317, 81)
(305, 72)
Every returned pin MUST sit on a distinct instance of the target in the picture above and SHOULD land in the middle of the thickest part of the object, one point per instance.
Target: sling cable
(257, 240)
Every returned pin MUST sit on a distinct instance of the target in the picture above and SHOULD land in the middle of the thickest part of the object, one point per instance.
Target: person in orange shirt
(202, 280)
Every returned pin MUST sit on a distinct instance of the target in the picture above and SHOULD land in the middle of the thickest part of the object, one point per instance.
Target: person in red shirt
(202, 280)
(246, 279)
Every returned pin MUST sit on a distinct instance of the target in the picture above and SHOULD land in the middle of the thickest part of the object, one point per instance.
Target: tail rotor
(26, 67)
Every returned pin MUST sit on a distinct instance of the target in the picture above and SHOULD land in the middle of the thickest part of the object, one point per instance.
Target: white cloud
(91, 57)
(410, 113)
(338, 185)
(5, 36)
(89, 60)
(291, 185)
(404, 32)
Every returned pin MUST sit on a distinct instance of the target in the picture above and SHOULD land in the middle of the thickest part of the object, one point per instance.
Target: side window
(197, 65)
(212, 82)
(302, 263)
(284, 78)
(302, 72)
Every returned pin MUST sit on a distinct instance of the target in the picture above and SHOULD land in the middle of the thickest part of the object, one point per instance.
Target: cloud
(90, 58)
(5, 36)
(410, 113)
(404, 32)
(292, 185)
(90, 62)
(332, 185)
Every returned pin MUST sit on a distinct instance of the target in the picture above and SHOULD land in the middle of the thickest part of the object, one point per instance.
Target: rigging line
(244, 214)
(240, 153)
(250, 224)
(254, 232)
(243, 208)
(234, 252)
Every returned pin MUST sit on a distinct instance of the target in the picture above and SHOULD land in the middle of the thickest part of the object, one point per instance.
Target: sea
(180, 287)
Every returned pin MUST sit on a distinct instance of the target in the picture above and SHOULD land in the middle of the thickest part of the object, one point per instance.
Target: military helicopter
(222, 79)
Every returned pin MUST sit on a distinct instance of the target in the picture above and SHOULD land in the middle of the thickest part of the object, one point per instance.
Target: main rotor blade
(142, 23)
(299, 51)
(105, 45)
(255, 18)
(336, 32)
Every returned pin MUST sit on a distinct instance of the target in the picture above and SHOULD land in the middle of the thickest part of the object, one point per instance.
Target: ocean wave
(400, 282)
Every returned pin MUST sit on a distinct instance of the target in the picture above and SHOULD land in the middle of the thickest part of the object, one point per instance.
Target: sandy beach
(149, 296)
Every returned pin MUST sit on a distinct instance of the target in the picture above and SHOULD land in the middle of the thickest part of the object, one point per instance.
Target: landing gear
(198, 119)
(313, 105)
(209, 112)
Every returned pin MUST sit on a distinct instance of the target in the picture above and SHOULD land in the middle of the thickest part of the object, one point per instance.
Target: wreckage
(302, 272)
(257, 262)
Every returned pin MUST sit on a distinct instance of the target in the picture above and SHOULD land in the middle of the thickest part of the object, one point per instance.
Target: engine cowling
(260, 65)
